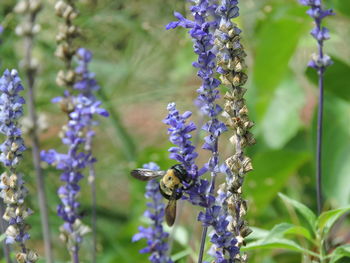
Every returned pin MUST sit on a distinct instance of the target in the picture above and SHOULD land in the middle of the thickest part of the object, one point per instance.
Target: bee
(171, 186)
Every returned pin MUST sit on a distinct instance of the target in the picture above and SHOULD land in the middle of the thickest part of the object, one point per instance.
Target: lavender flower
(13, 191)
(184, 153)
(201, 32)
(77, 136)
(199, 192)
(155, 235)
(87, 86)
(205, 22)
(319, 61)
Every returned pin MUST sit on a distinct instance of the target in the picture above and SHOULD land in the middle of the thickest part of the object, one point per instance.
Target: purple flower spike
(155, 235)
(12, 188)
(319, 61)
(179, 134)
(184, 153)
(78, 136)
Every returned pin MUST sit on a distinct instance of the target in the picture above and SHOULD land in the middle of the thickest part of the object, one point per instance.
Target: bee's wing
(146, 174)
(170, 212)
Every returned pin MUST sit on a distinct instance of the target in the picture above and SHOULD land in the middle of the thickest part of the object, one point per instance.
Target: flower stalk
(320, 62)
(28, 29)
(231, 66)
(13, 190)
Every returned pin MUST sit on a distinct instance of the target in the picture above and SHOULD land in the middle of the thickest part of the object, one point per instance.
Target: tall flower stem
(30, 67)
(92, 181)
(202, 245)
(319, 143)
(320, 62)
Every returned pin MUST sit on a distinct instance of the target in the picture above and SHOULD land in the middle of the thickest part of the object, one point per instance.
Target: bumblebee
(171, 186)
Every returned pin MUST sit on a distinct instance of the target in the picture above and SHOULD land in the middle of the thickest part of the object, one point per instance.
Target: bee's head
(180, 172)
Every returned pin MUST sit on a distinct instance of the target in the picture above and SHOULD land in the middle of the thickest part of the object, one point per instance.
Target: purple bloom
(184, 152)
(320, 33)
(155, 235)
(77, 136)
(201, 30)
(13, 191)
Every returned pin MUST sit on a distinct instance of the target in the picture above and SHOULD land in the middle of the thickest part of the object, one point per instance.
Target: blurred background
(141, 67)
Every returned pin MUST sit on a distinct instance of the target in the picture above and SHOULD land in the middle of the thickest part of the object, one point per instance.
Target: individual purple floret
(77, 136)
(13, 191)
(155, 235)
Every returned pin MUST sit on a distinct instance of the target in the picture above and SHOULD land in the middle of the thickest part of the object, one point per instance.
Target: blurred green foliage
(141, 67)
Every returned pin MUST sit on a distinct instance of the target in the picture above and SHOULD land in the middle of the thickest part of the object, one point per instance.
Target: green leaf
(278, 243)
(2, 237)
(283, 229)
(282, 119)
(271, 172)
(339, 253)
(257, 233)
(180, 255)
(301, 208)
(327, 219)
(337, 78)
(271, 61)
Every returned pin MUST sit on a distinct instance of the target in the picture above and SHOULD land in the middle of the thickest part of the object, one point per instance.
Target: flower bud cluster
(231, 65)
(65, 37)
(155, 235)
(28, 28)
(13, 191)
(319, 61)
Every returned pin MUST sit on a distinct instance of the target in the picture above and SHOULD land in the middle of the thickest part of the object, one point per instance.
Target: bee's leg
(166, 196)
(189, 187)
(178, 195)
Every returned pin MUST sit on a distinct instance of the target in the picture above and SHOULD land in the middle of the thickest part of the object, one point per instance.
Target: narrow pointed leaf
(302, 209)
(328, 219)
(339, 253)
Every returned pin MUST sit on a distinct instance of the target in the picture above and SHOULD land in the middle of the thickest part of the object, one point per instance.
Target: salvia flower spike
(185, 152)
(155, 235)
(201, 31)
(77, 135)
(179, 134)
(320, 62)
(28, 11)
(231, 66)
(13, 190)
(87, 86)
